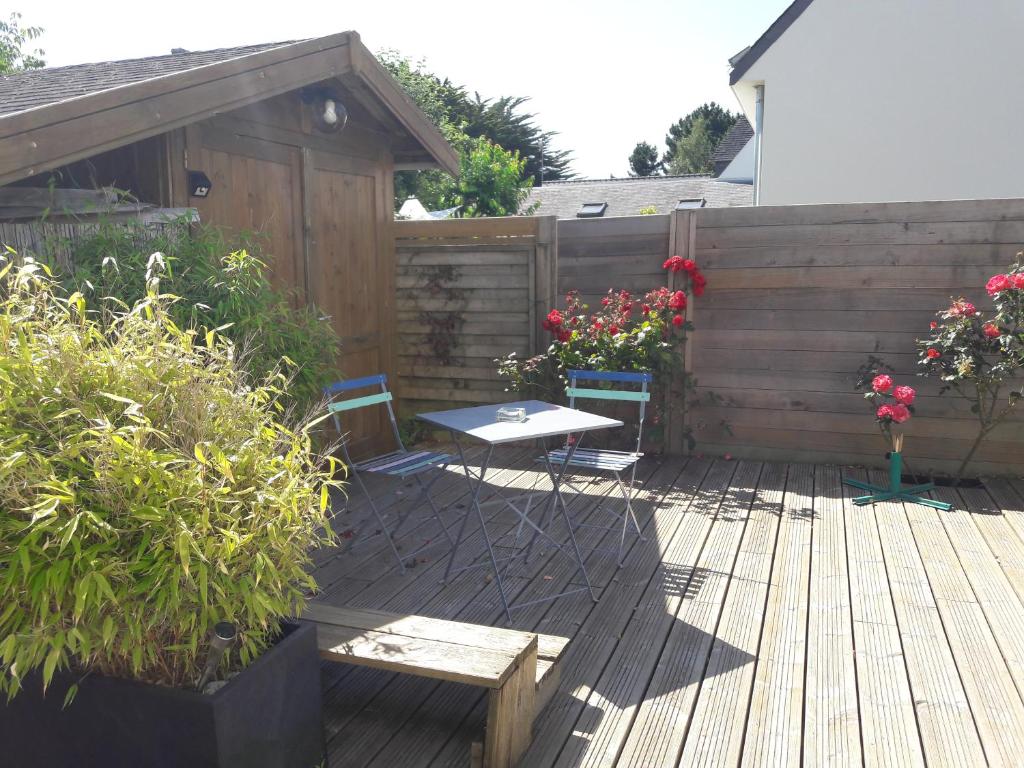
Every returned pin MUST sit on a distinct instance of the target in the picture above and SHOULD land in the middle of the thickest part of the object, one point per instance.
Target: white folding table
(542, 420)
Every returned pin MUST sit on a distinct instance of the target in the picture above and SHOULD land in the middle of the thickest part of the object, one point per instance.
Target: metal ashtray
(515, 415)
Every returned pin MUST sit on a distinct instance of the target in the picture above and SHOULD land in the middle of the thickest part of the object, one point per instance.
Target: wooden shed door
(351, 278)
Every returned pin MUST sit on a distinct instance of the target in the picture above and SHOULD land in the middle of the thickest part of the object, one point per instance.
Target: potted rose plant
(150, 492)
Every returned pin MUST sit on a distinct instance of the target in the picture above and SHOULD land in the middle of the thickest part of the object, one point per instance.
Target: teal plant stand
(895, 491)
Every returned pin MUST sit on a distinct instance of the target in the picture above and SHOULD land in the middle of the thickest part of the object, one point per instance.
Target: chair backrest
(337, 406)
(641, 396)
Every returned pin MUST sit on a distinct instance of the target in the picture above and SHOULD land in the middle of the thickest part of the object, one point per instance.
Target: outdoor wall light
(199, 184)
(330, 114)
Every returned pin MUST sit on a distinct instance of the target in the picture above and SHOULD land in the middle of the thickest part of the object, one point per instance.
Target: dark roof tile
(39, 87)
(626, 197)
(733, 141)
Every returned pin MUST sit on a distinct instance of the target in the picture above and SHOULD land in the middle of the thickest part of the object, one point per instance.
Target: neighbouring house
(885, 100)
(593, 198)
(297, 140)
(733, 159)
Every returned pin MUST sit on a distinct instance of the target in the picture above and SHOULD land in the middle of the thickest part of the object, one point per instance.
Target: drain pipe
(758, 128)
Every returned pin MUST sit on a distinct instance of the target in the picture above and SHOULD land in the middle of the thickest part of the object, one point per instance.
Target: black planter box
(269, 716)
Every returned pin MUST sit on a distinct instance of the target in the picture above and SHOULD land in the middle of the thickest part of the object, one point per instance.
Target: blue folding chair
(600, 460)
(401, 463)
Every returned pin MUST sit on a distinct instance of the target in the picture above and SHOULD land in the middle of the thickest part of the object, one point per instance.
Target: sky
(604, 74)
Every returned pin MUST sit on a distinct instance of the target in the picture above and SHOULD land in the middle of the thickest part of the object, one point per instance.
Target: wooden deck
(764, 620)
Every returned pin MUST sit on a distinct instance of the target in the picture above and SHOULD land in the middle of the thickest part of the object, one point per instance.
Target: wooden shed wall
(322, 204)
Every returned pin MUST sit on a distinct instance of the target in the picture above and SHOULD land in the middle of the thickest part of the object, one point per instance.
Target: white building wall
(741, 168)
(886, 100)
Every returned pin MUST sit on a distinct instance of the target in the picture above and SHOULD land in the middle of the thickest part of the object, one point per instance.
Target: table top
(542, 420)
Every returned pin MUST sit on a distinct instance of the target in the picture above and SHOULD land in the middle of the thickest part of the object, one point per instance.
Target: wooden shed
(254, 138)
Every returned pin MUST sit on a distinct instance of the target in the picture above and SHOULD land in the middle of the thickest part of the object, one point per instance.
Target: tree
(644, 160)
(719, 121)
(13, 41)
(515, 131)
(463, 120)
(694, 150)
(491, 182)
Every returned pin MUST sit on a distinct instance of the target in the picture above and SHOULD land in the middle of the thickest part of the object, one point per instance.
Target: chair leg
(380, 521)
(627, 515)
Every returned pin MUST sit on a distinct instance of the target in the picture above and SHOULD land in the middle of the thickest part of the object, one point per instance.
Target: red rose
(881, 383)
(884, 412)
(690, 265)
(699, 283)
(934, 353)
(677, 320)
(613, 329)
(998, 283)
(627, 307)
(554, 318)
(673, 264)
(605, 301)
(904, 394)
(598, 325)
(933, 325)
(678, 300)
(645, 308)
(900, 413)
(1018, 280)
(564, 335)
(990, 330)
(961, 308)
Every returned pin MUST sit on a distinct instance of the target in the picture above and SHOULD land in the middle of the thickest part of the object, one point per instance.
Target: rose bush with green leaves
(625, 334)
(981, 357)
(149, 489)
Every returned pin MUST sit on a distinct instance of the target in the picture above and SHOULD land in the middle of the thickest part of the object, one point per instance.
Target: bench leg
(510, 713)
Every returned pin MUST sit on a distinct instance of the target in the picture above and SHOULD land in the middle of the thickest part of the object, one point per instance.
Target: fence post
(682, 233)
(544, 280)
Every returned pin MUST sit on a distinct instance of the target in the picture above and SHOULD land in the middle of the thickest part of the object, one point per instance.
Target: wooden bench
(521, 669)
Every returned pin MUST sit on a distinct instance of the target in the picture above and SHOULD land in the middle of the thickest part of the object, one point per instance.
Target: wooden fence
(469, 291)
(798, 297)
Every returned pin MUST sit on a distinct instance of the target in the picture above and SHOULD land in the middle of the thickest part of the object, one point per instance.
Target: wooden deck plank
(775, 724)
(831, 723)
(664, 723)
(678, 582)
(715, 735)
(948, 731)
(983, 620)
(888, 722)
(681, 524)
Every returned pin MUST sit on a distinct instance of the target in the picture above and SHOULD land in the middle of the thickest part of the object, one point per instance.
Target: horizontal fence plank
(864, 213)
(467, 229)
(894, 233)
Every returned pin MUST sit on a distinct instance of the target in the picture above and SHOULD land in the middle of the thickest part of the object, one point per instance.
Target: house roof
(734, 140)
(745, 59)
(51, 117)
(628, 196)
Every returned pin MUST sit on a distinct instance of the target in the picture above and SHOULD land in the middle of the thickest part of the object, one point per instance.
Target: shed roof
(626, 197)
(39, 87)
(51, 117)
(745, 59)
